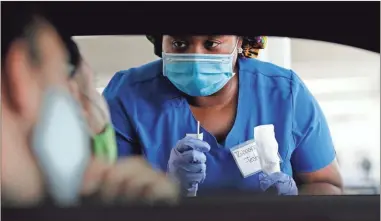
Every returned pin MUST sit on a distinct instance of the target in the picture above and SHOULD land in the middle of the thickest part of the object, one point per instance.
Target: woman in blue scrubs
(210, 79)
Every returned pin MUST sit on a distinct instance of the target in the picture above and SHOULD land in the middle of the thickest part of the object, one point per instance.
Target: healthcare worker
(46, 151)
(212, 80)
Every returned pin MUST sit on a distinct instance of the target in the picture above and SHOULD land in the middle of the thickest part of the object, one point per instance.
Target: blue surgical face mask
(198, 74)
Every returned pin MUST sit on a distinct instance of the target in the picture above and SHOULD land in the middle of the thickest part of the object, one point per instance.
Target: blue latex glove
(187, 164)
(283, 183)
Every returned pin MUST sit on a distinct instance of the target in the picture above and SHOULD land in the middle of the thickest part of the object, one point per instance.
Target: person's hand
(283, 183)
(94, 106)
(97, 112)
(128, 180)
(187, 164)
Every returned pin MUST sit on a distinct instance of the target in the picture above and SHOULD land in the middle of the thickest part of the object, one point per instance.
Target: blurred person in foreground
(46, 145)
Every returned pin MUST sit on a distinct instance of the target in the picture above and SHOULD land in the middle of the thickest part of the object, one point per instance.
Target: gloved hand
(283, 183)
(187, 164)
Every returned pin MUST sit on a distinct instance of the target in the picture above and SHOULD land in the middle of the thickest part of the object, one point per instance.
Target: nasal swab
(198, 128)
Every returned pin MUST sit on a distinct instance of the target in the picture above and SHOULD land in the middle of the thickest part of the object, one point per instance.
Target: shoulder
(141, 88)
(133, 79)
(271, 75)
(134, 76)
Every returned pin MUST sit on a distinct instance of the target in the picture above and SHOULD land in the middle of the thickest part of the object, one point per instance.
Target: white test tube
(200, 137)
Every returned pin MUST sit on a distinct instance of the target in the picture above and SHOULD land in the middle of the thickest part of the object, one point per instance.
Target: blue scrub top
(150, 115)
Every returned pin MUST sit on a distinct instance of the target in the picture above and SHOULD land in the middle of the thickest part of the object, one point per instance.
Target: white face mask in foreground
(61, 143)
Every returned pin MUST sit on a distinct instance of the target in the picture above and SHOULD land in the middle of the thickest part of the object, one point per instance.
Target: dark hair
(156, 40)
(74, 54)
(20, 21)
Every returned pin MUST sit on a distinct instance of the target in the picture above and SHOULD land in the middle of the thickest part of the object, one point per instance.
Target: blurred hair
(20, 21)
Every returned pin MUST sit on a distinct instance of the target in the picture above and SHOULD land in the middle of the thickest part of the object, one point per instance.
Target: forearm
(320, 189)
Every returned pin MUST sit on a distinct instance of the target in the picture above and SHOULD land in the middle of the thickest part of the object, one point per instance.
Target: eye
(211, 44)
(179, 44)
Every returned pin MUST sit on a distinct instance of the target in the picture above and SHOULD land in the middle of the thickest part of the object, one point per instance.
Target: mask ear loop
(235, 47)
